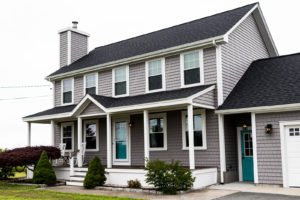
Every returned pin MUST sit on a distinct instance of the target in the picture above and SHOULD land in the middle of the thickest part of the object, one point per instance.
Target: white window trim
(203, 115)
(127, 81)
(164, 116)
(61, 134)
(97, 133)
(62, 91)
(163, 73)
(96, 82)
(201, 68)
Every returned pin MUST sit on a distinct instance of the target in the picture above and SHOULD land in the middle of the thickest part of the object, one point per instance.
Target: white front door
(292, 134)
(121, 142)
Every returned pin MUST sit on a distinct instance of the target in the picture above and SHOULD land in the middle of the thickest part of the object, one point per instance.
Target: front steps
(78, 177)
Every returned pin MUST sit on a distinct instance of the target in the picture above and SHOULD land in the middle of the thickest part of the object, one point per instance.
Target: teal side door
(247, 155)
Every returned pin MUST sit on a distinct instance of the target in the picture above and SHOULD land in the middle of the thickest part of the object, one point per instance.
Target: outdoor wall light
(130, 124)
(269, 129)
(245, 127)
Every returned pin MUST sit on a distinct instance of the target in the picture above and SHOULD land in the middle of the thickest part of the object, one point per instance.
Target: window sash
(67, 136)
(90, 80)
(120, 74)
(157, 132)
(155, 82)
(120, 88)
(191, 60)
(91, 135)
(67, 85)
(67, 97)
(154, 68)
(197, 129)
(91, 90)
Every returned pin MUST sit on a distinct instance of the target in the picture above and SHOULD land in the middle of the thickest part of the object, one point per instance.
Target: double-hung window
(120, 81)
(67, 135)
(90, 83)
(67, 91)
(155, 70)
(192, 68)
(158, 132)
(91, 135)
(199, 129)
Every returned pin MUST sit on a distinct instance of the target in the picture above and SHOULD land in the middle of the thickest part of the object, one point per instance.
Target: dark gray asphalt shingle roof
(267, 82)
(208, 27)
(110, 102)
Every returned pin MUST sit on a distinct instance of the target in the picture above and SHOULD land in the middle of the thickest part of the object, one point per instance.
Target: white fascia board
(202, 92)
(74, 30)
(262, 109)
(83, 104)
(46, 117)
(160, 53)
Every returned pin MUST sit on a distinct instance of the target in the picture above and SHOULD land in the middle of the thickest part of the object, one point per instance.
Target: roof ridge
(174, 26)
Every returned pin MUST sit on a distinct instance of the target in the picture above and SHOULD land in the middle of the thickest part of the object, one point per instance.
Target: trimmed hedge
(43, 173)
(95, 175)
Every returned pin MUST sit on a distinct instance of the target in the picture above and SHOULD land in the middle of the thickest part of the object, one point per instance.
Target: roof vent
(74, 24)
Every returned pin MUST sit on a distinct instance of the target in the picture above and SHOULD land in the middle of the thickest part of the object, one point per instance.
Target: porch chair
(62, 147)
(82, 153)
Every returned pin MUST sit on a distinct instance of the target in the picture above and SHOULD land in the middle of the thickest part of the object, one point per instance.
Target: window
(158, 132)
(67, 91)
(155, 80)
(67, 135)
(192, 68)
(199, 130)
(91, 135)
(90, 83)
(120, 81)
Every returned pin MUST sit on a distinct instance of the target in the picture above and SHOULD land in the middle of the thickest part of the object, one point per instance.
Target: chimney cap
(74, 24)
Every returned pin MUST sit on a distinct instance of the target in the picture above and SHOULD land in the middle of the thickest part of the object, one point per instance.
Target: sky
(29, 44)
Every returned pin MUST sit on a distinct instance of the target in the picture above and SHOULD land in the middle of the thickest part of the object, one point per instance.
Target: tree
(95, 175)
(43, 173)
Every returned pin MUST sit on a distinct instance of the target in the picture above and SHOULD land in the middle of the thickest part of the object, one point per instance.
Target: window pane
(197, 123)
(191, 76)
(91, 130)
(198, 138)
(120, 74)
(157, 140)
(91, 90)
(154, 67)
(67, 97)
(191, 60)
(90, 80)
(120, 88)
(67, 85)
(155, 82)
(67, 131)
(68, 142)
(156, 125)
(91, 143)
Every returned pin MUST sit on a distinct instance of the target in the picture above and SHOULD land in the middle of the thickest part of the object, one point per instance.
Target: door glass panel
(248, 151)
(121, 140)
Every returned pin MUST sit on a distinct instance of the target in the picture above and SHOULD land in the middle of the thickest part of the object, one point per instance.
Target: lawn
(17, 192)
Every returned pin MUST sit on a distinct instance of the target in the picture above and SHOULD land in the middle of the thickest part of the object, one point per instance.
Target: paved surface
(257, 196)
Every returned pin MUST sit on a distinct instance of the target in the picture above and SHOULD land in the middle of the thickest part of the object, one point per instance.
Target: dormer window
(155, 80)
(67, 91)
(120, 81)
(90, 83)
(192, 68)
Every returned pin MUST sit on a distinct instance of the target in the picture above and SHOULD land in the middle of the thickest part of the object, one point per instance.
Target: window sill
(92, 150)
(158, 149)
(66, 104)
(157, 90)
(192, 85)
(195, 148)
(122, 95)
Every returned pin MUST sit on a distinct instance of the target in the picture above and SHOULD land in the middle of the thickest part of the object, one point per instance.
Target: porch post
(190, 113)
(146, 135)
(108, 132)
(222, 147)
(79, 141)
(254, 143)
(28, 133)
(52, 133)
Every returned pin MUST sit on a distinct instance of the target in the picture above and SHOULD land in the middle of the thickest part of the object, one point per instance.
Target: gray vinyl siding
(137, 140)
(137, 82)
(78, 89)
(92, 109)
(63, 48)
(105, 83)
(210, 66)
(78, 46)
(206, 99)
(269, 147)
(57, 93)
(172, 70)
(245, 45)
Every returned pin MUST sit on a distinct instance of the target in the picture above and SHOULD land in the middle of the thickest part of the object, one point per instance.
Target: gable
(207, 99)
(92, 109)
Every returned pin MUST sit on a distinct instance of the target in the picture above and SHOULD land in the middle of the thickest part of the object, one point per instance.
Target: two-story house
(156, 96)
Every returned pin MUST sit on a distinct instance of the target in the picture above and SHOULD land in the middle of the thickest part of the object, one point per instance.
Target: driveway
(257, 196)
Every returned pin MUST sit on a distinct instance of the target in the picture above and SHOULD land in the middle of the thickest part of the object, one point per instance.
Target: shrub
(5, 172)
(168, 177)
(20, 169)
(43, 173)
(95, 175)
(134, 184)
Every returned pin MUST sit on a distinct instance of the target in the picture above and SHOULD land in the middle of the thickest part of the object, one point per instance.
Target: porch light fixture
(269, 129)
(130, 124)
(245, 127)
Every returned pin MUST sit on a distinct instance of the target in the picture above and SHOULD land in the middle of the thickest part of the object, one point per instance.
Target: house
(212, 93)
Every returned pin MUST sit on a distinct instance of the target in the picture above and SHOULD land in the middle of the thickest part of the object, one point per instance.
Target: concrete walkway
(250, 187)
(205, 194)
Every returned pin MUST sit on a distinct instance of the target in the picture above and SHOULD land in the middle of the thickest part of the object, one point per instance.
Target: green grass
(17, 192)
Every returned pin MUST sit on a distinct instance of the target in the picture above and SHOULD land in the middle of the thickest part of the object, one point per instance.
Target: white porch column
(52, 133)
(190, 113)
(146, 136)
(222, 147)
(79, 141)
(28, 134)
(108, 132)
(254, 143)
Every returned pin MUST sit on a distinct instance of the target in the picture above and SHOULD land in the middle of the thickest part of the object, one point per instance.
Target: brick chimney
(73, 44)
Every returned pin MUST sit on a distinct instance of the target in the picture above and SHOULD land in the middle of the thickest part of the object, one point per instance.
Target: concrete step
(79, 173)
(77, 178)
(74, 183)
(80, 169)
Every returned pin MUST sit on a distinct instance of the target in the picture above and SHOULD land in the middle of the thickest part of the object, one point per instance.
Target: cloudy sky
(29, 43)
